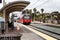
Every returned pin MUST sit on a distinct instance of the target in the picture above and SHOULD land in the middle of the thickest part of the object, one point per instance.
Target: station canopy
(15, 6)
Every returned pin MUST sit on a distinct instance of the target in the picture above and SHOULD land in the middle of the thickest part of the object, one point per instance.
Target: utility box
(2, 25)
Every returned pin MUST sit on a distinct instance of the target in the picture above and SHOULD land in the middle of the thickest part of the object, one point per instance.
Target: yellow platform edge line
(40, 34)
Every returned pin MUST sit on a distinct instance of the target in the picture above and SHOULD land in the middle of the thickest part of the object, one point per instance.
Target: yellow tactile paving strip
(40, 33)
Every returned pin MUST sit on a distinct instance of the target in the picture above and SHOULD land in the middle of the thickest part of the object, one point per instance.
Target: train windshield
(26, 17)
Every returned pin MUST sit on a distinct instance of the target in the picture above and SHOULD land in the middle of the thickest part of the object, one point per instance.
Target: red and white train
(26, 19)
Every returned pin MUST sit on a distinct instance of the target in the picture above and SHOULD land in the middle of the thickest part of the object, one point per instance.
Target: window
(26, 17)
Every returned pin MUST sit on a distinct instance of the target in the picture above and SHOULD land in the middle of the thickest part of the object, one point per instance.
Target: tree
(1, 14)
(27, 11)
(37, 13)
(34, 12)
(23, 12)
(30, 11)
(42, 10)
(34, 9)
(55, 13)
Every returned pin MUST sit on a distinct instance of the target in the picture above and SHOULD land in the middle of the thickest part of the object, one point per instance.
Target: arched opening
(12, 7)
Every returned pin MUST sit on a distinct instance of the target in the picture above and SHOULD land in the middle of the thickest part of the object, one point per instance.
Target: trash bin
(2, 25)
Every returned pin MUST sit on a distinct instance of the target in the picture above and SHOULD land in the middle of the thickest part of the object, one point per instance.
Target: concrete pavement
(32, 34)
(27, 34)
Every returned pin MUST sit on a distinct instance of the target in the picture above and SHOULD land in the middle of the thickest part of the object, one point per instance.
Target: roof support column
(6, 19)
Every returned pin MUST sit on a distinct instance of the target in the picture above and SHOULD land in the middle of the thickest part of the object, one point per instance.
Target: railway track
(54, 26)
(50, 33)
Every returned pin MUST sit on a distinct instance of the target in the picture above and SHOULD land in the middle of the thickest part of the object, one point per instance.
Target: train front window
(26, 17)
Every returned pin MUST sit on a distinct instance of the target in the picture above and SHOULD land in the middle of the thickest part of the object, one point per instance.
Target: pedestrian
(10, 25)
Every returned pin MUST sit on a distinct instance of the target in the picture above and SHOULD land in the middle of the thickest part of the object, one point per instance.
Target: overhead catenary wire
(42, 3)
(34, 3)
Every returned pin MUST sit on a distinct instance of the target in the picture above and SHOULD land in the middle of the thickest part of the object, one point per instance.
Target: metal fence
(10, 37)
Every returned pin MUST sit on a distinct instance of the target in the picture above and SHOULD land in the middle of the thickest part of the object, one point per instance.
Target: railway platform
(32, 34)
(28, 35)
(48, 24)
(25, 34)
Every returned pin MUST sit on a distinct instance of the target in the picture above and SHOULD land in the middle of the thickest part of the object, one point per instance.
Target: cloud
(48, 5)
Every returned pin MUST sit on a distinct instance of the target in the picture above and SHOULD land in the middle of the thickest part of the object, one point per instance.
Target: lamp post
(4, 3)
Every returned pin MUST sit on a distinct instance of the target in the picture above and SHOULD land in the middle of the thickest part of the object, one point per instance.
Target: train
(26, 19)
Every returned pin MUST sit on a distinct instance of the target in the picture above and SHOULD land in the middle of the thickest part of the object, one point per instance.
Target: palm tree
(34, 12)
(42, 10)
(23, 12)
(34, 9)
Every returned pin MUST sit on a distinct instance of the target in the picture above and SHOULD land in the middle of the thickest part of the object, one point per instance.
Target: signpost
(0, 1)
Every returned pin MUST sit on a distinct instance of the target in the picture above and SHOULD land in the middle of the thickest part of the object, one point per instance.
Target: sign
(0, 1)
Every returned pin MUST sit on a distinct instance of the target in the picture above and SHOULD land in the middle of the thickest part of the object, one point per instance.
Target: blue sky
(48, 5)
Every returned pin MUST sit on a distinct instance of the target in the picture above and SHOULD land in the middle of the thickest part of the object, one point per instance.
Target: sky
(48, 5)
